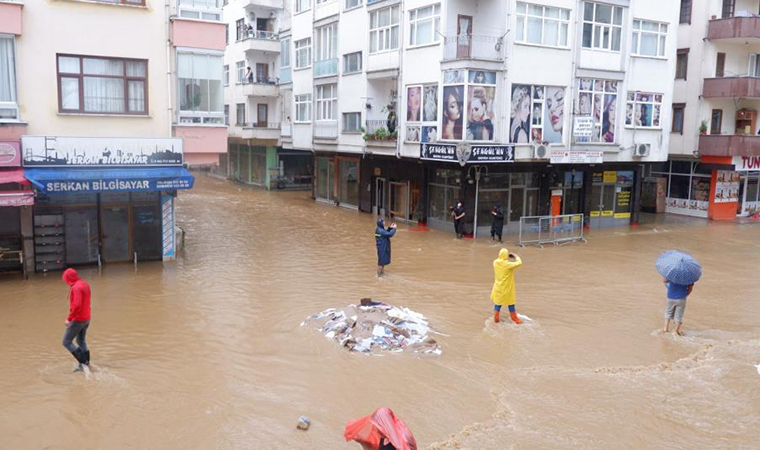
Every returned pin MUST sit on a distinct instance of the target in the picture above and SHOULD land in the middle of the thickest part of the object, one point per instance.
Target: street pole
(477, 189)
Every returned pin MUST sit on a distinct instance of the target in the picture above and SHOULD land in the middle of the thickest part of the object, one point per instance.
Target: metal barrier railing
(557, 230)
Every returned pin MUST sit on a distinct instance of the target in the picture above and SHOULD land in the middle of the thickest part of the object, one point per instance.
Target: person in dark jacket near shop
(497, 226)
(383, 241)
(458, 215)
(79, 317)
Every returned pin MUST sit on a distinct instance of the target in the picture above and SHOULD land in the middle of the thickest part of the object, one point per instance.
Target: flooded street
(207, 352)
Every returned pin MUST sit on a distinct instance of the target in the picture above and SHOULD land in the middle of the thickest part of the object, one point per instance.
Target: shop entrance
(399, 200)
(749, 195)
(378, 208)
(516, 192)
(115, 233)
(81, 225)
(325, 179)
(611, 196)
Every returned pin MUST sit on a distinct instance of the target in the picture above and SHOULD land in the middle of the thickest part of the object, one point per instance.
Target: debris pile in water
(374, 326)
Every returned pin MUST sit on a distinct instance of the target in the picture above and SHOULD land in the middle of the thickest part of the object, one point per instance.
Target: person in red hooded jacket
(79, 317)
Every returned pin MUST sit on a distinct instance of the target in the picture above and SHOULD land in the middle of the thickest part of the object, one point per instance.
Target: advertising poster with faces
(642, 109)
(452, 122)
(598, 99)
(537, 114)
(481, 105)
(421, 113)
(727, 187)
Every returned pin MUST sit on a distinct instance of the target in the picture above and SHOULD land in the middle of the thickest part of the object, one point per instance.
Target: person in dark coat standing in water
(458, 215)
(383, 241)
(79, 317)
(497, 226)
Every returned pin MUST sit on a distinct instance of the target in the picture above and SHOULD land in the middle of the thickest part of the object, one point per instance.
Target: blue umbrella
(678, 267)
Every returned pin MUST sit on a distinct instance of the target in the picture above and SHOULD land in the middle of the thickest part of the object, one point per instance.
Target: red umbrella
(370, 430)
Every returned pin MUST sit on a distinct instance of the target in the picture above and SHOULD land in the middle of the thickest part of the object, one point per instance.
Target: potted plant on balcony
(392, 119)
(703, 128)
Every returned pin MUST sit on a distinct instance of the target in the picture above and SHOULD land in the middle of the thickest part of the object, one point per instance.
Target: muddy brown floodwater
(207, 353)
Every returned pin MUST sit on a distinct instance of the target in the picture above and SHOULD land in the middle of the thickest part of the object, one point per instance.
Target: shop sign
(727, 187)
(610, 176)
(576, 156)
(58, 151)
(583, 127)
(16, 198)
(746, 163)
(116, 185)
(10, 154)
(467, 153)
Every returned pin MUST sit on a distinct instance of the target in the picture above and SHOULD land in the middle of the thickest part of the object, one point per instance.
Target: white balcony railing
(326, 130)
(259, 34)
(469, 46)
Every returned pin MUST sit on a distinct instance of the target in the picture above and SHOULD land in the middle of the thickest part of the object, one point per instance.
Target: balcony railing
(731, 87)
(473, 46)
(258, 34)
(326, 130)
(325, 68)
(729, 145)
(263, 125)
(372, 126)
(734, 27)
(286, 75)
(260, 80)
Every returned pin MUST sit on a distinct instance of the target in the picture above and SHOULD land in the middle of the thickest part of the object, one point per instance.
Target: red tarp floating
(370, 431)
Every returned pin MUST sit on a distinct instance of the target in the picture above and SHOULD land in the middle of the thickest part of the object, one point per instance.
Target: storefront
(270, 167)
(103, 200)
(392, 187)
(687, 186)
(337, 180)
(248, 164)
(16, 200)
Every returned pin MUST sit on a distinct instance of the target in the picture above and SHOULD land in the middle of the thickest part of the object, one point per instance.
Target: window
(682, 60)
(241, 30)
(124, 2)
(102, 85)
(716, 122)
(643, 109)
(597, 99)
(240, 120)
(226, 114)
(327, 101)
(537, 114)
(200, 9)
(678, 113)
(285, 53)
(542, 25)
(353, 3)
(302, 5)
(352, 122)
(199, 81)
(227, 34)
(720, 65)
(352, 62)
(685, 11)
(303, 108)
(326, 40)
(384, 30)
(728, 9)
(754, 65)
(424, 25)
(240, 71)
(648, 38)
(602, 26)
(303, 53)
(226, 75)
(8, 102)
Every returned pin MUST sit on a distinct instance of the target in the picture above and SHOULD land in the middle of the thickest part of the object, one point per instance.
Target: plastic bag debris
(375, 328)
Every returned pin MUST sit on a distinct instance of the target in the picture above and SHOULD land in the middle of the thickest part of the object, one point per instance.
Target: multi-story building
(256, 65)
(544, 106)
(102, 114)
(714, 166)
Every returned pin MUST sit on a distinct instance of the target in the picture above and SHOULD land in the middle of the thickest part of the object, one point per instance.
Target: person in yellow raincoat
(503, 292)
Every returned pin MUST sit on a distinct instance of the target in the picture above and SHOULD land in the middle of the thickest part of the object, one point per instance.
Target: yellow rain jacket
(503, 292)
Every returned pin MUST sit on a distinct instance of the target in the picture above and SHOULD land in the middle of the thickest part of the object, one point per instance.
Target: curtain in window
(103, 94)
(7, 71)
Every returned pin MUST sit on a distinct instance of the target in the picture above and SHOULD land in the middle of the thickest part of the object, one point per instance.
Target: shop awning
(16, 198)
(59, 181)
(15, 175)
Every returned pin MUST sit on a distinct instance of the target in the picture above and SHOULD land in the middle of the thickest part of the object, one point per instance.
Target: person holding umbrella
(383, 242)
(680, 271)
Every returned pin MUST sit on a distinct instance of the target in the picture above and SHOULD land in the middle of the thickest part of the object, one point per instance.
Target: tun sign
(746, 163)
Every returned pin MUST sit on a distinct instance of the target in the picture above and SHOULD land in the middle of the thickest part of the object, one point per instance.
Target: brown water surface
(207, 353)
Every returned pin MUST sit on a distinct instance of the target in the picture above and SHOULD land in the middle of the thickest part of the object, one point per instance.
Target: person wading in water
(79, 317)
(503, 292)
(383, 241)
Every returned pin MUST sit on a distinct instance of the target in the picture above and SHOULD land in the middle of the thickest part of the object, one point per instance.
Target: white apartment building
(714, 166)
(411, 105)
(98, 118)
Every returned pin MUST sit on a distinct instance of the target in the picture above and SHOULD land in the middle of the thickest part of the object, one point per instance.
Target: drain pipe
(167, 31)
(399, 80)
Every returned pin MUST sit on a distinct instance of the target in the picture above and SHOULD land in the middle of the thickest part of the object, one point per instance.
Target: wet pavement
(207, 352)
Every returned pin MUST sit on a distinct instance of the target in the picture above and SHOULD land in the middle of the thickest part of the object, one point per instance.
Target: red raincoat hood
(70, 276)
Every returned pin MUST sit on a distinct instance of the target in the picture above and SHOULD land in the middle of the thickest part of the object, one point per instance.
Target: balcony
(326, 130)
(262, 131)
(325, 68)
(261, 41)
(382, 65)
(729, 145)
(731, 87)
(286, 75)
(270, 4)
(473, 46)
(739, 29)
(376, 134)
(261, 87)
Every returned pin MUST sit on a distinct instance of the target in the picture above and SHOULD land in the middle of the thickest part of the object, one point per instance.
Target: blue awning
(58, 181)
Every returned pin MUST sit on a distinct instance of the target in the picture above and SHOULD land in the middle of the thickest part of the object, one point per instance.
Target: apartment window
(728, 9)
(240, 71)
(200, 9)
(542, 25)
(384, 30)
(303, 53)
(682, 60)
(716, 123)
(602, 26)
(227, 34)
(685, 11)
(303, 108)
(326, 40)
(199, 81)
(352, 62)
(720, 65)
(425, 25)
(678, 113)
(226, 75)
(285, 53)
(102, 85)
(648, 38)
(241, 30)
(352, 122)
(8, 102)
(302, 5)
(327, 101)
(597, 99)
(643, 109)
(353, 3)
(240, 119)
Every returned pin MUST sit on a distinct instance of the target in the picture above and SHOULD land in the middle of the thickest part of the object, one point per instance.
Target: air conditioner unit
(641, 150)
(540, 151)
